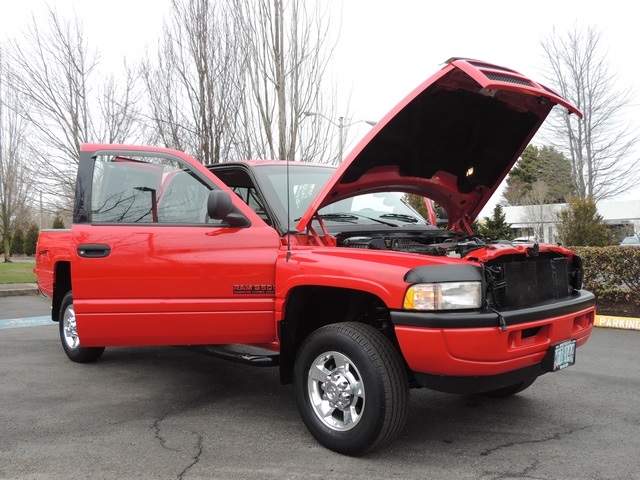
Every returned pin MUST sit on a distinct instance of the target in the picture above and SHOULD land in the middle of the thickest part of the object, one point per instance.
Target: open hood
(453, 140)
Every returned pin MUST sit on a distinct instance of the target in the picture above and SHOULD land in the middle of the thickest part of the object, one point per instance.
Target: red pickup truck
(328, 273)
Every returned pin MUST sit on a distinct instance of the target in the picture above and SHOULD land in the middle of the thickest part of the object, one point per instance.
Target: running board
(244, 356)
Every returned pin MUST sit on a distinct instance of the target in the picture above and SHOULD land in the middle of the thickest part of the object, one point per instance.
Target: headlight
(444, 296)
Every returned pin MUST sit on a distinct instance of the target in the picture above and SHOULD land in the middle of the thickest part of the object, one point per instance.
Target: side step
(239, 354)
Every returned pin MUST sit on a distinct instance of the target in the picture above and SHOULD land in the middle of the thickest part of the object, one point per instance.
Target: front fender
(380, 273)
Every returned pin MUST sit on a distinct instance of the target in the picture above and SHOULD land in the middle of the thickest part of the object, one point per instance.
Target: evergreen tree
(58, 223)
(496, 227)
(17, 241)
(417, 203)
(546, 165)
(31, 239)
(581, 225)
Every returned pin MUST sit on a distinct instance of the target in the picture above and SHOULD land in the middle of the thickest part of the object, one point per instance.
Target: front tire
(69, 335)
(351, 388)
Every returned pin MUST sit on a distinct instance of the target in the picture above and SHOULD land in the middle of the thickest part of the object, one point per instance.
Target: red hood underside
(453, 140)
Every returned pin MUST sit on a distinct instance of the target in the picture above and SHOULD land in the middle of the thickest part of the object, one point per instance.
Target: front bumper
(472, 344)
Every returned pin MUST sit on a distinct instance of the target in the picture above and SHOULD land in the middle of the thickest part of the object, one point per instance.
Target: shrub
(58, 223)
(580, 224)
(31, 240)
(495, 227)
(17, 242)
(612, 273)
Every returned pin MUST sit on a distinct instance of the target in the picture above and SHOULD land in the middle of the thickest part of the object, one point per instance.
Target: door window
(147, 190)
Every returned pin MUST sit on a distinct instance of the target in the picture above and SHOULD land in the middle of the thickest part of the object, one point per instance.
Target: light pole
(341, 126)
(340, 138)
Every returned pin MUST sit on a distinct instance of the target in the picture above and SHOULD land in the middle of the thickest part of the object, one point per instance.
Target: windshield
(306, 181)
(389, 208)
(630, 241)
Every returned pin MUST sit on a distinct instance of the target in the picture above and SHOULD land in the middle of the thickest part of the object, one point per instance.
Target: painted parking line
(26, 322)
(611, 321)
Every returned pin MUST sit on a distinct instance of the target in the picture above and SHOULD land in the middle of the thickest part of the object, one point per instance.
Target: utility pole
(341, 127)
(2, 177)
(341, 139)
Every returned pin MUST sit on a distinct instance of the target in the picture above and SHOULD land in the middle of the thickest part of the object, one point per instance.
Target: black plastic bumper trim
(580, 300)
(479, 384)
(444, 273)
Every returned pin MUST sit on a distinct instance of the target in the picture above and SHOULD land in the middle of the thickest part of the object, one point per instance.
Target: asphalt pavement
(171, 413)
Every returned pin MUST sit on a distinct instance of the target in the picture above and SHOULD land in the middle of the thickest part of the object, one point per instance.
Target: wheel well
(61, 285)
(311, 307)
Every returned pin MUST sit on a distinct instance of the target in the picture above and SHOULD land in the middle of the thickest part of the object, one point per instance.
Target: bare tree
(515, 192)
(286, 53)
(233, 80)
(118, 106)
(194, 88)
(537, 210)
(601, 145)
(63, 101)
(15, 182)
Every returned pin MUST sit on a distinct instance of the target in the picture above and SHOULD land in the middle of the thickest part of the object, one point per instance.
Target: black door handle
(94, 250)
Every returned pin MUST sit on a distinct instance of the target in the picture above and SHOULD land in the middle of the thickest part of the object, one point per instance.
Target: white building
(541, 220)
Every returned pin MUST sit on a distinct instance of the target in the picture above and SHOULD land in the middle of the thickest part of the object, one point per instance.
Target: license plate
(563, 355)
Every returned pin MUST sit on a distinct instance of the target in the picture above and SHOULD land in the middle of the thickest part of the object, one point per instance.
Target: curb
(18, 289)
(602, 321)
(612, 321)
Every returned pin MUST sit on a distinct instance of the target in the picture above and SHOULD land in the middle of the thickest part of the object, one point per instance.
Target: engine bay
(428, 242)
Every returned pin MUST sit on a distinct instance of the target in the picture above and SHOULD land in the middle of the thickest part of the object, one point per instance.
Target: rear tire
(69, 335)
(351, 388)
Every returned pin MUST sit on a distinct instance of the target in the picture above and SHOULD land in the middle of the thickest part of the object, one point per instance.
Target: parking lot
(173, 413)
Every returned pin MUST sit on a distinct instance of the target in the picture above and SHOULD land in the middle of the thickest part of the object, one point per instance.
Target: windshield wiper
(400, 216)
(388, 224)
(345, 217)
(334, 216)
(351, 215)
(338, 217)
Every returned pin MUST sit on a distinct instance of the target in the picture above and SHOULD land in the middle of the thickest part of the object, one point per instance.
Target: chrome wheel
(69, 334)
(351, 387)
(336, 391)
(69, 328)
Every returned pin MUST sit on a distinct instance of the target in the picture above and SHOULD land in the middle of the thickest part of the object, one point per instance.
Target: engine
(512, 280)
(440, 244)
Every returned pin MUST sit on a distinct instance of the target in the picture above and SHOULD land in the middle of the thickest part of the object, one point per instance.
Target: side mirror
(220, 207)
(219, 204)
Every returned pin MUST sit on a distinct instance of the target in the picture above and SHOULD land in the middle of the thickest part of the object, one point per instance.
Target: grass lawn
(17, 272)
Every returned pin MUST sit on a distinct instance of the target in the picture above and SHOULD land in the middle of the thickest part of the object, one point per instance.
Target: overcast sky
(386, 48)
